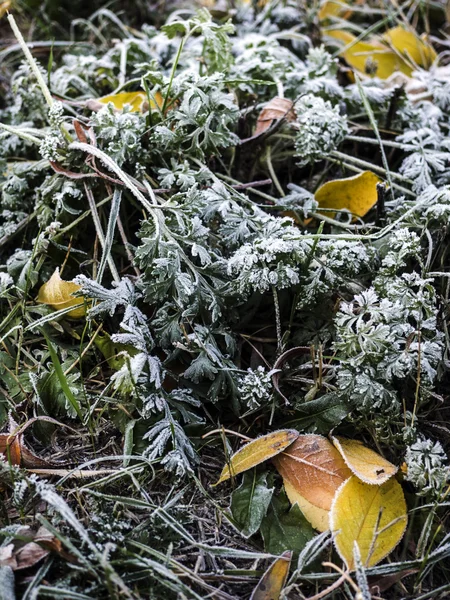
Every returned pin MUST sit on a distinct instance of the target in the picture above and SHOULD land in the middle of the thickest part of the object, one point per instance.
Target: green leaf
(319, 415)
(250, 501)
(285, 528)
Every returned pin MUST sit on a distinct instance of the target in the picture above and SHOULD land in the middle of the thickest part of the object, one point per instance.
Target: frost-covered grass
(204, 258)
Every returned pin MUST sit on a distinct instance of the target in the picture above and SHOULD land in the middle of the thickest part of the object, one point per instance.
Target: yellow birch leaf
(410, 45)
(371, 58)
(314, 468)
(137, 100)
(272, 582)
(366, 464)
(57, 293)
(318, 517)
(373, 516)
(258, 451)
(357, 194)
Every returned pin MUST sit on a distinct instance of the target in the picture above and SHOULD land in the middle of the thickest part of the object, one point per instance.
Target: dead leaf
(276, 109)
(366, 464)
(357, 194)
(272, 582)
(138, 101)
(25, 554)
(258, 451)
(373, 516)
(334, 8)
(371, 58)
(318, 517)
(57, 293)
(314, 468)
(409, 44)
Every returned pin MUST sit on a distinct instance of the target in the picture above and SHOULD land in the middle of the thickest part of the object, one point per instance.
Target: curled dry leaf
(318, 517)
(372, 516)
(19, 555)
(357, 194)
(366, 464)
(314, 468)
(258, 451)
(273, 581)
(57, 293)
(276, 109)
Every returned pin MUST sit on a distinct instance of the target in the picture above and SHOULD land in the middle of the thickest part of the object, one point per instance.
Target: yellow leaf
(357, 194)
(272, 582)
(373, 516)
(318, 517)
(366, 464)
(57, 293)
(4, 7)
(314, 468)
(410, 45)
(333, 8)
(371, 58)
(137, 101)
(258, 451)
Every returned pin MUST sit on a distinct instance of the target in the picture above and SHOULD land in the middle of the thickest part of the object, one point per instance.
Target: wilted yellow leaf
(373, 516)
(410, 45)
(333, 8)
(318, 517)
(357, 194)
(371, 58)
(137, 100)
(57, 293)
(314, 468)
(366, 464)
(272, 582)
(258, 451)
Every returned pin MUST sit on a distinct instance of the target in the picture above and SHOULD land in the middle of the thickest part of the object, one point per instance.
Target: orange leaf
(314, 468)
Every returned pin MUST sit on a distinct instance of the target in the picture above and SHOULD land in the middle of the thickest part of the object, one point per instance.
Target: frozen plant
(255, 388)
(426, 469)
(320, 128)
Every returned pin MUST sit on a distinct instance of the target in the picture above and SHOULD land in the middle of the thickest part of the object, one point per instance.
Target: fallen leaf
(333, 8)
(314, 468)
(371, 58)
(366, 464)
(57, 293)
(23, 555)
(411, 46)
(272, 582)
(357, 194)
(138, 101)
(258, 451)
(318, 517)
(13, 447)
(373, 516)
(276, 109)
